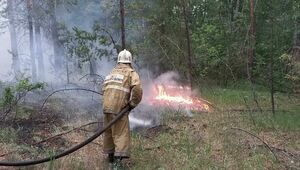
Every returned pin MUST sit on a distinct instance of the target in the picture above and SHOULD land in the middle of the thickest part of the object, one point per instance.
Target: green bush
(12, 95)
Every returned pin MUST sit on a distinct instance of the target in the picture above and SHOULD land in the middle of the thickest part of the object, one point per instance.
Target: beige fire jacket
(121, 87)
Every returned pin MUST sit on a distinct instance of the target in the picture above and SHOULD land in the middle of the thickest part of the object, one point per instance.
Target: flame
(162, 95)
(179, 96)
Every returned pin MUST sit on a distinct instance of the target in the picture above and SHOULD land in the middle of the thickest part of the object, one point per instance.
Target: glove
(130, 107)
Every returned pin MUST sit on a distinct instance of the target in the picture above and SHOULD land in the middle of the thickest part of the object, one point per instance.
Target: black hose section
(71, 150)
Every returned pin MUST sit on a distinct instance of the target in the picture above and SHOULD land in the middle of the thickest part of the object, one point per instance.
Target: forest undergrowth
(236, 135)
(239, 133)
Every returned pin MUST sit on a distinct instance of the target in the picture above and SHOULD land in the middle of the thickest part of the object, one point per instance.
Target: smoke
(81, 106)
(81, 14)
(5, 61)
(74, 107)
(168, 78)
(147, 112)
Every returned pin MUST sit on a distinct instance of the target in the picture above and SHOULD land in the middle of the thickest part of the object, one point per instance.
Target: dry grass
(204, 141)
(207, 141)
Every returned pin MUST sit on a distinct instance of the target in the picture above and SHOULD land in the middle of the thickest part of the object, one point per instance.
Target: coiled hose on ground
(72, 149)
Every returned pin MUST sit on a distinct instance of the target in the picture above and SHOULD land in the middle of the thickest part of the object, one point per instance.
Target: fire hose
(72, 149)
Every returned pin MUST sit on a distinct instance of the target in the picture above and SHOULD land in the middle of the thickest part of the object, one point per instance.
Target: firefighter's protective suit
(121, 87)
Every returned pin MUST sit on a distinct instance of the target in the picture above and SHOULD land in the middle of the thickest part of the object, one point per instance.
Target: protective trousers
(117, 138)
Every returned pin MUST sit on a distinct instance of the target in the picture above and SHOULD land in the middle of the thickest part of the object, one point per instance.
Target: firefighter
(121, 87)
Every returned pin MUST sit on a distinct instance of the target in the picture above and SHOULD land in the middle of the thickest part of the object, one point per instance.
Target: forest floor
(230, 137)
(240, 133)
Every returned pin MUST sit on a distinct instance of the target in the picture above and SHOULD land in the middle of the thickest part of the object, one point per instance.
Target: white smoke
(135, 122)
(5, 60)
(168, 78)
(146, 112)
(143, 115)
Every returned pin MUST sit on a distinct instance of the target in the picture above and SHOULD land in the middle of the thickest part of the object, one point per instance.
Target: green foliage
(219, 33)
(13, 94)
(85, 46)
(24, 85)
(8, 97)
(292, 73)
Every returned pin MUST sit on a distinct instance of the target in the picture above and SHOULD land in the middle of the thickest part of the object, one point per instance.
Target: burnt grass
(36, 127)
(37, 134)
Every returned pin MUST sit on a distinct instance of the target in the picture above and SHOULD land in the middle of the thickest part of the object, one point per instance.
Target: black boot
(111, 157)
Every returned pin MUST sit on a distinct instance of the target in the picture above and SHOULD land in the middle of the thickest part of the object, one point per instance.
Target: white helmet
(125, 57)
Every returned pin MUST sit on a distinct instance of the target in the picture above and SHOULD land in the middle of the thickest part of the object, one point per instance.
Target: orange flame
(174, 96)
(162, 95)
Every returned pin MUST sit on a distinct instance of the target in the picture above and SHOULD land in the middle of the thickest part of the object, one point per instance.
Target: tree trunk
(272, 69)
(188, 40)
(38, 44)
(93, 66)
(67, 70)
(122, 16)
(232, 7)
(252, 37)
(13, 38)
(237, 6)
(57, 45)
(296, 39)
(39, 53)
(31, 40)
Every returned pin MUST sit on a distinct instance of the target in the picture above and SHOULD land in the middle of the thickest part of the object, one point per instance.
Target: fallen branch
(87, 131)
(101, 77)
(7, 153)
(282, 150)
(55, 136)
(72, 89)
(253, 135)
(249, 110)
(64, 133)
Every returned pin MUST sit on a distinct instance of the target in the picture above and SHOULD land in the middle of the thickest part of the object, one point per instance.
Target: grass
(284, 120)
(287, 115)
(171, 151)
(8, 135)
(206, 140)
